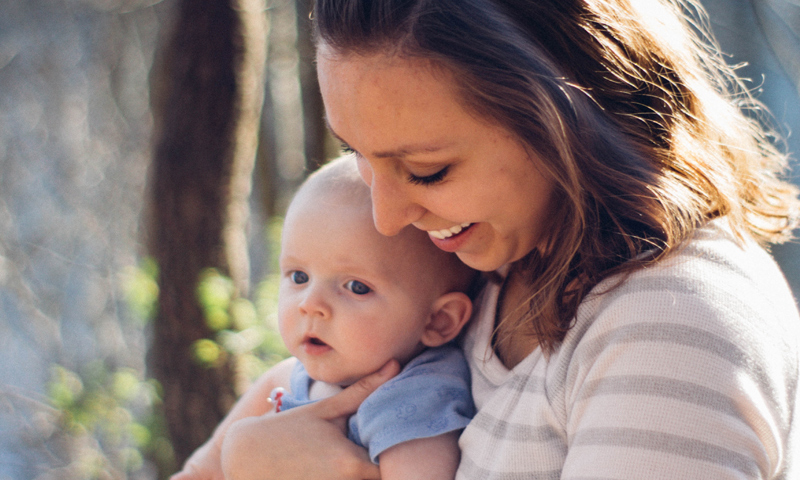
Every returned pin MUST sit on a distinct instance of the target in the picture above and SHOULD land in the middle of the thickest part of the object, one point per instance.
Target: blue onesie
(429, 397)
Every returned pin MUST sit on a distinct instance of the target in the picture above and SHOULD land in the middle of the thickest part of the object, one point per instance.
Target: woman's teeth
(448, 232)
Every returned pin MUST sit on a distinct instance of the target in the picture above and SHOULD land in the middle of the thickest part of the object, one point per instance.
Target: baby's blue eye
(299, 277)
(357, 287)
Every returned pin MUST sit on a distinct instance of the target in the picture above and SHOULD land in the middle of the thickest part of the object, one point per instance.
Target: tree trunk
(315, 131)
(207, 96)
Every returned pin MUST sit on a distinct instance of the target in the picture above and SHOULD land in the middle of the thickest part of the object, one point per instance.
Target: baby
(350, 300)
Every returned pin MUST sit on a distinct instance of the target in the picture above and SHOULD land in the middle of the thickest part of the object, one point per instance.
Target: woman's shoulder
(714, 300)
(714, 281)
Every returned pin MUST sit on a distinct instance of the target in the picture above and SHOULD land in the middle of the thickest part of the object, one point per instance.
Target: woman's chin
(479, 262)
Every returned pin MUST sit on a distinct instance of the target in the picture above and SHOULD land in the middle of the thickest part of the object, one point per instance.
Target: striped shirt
(687, 370)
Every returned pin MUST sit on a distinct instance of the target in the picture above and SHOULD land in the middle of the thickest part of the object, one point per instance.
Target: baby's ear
(449, 315)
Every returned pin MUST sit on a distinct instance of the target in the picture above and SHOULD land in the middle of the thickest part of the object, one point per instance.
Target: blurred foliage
(109, 410)
(245, 328)
(75, 148)
(112, 409)
(140, 286)
(75, 138)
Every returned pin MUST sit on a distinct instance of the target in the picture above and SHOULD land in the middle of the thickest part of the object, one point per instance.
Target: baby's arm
(434, 458)
(204, 464)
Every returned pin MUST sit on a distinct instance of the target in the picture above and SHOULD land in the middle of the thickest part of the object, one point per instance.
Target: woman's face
(432, 163)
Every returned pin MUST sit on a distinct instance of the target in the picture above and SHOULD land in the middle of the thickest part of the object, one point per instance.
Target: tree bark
(207, 95)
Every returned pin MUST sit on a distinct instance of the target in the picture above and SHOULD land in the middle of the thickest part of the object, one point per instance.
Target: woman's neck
(513, 341)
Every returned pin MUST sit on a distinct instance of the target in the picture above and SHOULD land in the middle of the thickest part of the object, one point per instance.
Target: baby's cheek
(377, 353)
(285, 323)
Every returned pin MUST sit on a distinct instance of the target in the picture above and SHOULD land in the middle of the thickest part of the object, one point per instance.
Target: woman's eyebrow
(400, 152)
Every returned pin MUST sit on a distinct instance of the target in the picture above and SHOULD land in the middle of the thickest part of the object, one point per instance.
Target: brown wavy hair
(627, 105)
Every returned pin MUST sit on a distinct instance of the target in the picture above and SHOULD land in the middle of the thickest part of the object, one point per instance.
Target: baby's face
(350, 298)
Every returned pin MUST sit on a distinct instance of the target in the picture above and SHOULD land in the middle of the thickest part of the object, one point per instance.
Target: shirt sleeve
(430, 397)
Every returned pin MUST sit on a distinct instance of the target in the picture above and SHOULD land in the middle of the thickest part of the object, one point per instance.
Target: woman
(595, 156)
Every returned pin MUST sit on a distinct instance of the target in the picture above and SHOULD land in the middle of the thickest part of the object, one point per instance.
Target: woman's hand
(204, 464)
(304, 442)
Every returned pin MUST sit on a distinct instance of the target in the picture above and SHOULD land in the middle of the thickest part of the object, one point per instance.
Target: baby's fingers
(347, 402)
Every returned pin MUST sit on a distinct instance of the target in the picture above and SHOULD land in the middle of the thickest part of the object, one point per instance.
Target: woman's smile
(448, 232)
(451, 239)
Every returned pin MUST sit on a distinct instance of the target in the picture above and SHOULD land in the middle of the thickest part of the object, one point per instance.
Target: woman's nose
(314, 303)
(392, 207)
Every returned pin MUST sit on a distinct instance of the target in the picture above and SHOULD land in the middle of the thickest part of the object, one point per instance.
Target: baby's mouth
(314, 346)
(315, 341)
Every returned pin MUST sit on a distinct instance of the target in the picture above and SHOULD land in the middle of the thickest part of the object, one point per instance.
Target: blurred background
(147, 143)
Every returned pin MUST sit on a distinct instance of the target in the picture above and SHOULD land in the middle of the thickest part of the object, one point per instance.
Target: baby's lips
(314, 346)
(314, 341)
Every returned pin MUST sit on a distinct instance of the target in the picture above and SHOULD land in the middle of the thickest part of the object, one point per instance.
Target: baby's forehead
(334, 192)
(338, 177)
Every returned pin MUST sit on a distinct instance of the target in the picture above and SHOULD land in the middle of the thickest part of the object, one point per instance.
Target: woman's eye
(430, 179)
(299, 277)
(346, 150)
(357, 287)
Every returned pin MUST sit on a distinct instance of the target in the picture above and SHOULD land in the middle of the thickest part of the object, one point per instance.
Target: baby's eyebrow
(287, 261)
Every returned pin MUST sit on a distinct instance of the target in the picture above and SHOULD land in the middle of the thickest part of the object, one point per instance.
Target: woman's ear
(449, 314)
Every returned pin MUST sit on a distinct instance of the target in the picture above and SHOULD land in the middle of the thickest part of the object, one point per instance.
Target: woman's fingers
(347, 402)
(293, 445)
(304, 442)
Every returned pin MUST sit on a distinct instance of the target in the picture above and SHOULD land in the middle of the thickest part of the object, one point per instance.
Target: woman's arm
(204, 464)
(434, 458)
(304, 442)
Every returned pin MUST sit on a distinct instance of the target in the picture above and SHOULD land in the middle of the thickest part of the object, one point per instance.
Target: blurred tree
(207, 100)
(315, 129)
(284, 151)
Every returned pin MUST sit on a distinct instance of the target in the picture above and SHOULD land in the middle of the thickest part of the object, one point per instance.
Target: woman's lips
(452, 239)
